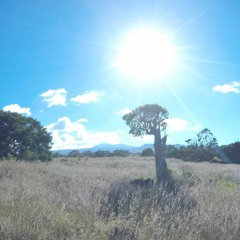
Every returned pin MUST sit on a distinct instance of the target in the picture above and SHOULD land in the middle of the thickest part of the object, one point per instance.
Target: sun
(146, 54)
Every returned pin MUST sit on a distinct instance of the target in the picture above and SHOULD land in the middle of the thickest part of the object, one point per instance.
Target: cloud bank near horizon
(69, 134)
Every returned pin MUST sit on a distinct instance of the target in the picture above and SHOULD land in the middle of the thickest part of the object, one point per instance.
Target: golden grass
(77, 199)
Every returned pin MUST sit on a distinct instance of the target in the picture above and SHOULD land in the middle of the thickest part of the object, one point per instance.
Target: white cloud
(96, 138)
(178, 125)
(82, 120)
(228, 87)
(55, 97)
(74, 135)
(123, 111)
(64, 124)
(88, 97)
(18, 109)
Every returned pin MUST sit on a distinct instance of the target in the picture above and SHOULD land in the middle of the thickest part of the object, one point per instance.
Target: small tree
(23, 138)
(150, 119)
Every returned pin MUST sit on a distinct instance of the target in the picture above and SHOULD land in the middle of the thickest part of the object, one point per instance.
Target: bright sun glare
(146, 54)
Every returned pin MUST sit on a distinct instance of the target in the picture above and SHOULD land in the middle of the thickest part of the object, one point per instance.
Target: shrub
(147, 152)
(121, 153)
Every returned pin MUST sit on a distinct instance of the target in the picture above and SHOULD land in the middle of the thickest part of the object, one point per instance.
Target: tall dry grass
(92, 199)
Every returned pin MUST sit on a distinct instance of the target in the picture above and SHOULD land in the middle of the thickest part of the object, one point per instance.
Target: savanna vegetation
(91, 198)
(117, 195)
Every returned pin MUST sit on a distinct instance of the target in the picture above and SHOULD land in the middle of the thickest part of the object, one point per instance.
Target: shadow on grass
(135, 198)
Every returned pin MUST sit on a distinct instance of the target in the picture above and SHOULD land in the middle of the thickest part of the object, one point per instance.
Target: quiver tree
(150, 120)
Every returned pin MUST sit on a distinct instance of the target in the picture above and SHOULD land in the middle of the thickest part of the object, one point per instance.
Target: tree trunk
(161, 164)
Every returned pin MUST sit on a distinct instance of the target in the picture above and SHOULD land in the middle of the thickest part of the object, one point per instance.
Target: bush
(147, 152)
(121, 153)
(74, 153)
(101, 153)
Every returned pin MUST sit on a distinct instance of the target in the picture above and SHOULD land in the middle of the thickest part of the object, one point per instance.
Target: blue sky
(57, 64)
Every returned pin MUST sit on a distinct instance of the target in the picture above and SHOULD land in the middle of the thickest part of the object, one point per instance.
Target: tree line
(96, 154)
(205, 148)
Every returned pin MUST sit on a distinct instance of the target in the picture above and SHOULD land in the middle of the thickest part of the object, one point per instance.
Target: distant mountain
(110, 148)
(107, 147)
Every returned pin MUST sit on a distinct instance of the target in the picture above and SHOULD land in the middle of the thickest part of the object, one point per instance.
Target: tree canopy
(23, 138)
(202, 148)
(146, 120)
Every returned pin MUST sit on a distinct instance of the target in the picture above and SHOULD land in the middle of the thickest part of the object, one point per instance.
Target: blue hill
(108, 147)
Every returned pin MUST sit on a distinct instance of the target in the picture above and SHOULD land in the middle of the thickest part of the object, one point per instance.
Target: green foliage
(23, 138)
(204, 139)
(101, 153)
(147, 152)
(74, 153)
(146, 119)
(229, 184)
(231, 153)
(121, 153)
(203, 148)
(87, 154)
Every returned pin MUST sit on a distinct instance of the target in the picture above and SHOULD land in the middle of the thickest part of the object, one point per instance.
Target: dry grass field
(91, 198)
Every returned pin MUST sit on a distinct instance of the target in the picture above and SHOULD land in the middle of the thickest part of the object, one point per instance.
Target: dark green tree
(231, 153)
(202, 148)
(147, 152)
(23, 138)
(102, 153)
(74, 154)
(150, 120)
(120, 153)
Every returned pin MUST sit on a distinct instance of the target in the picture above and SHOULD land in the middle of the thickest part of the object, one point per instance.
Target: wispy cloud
(69, 134)
(88, 97)
(179, 125)
(123, 111)
(228, 87)
(18, 109)
(55, 97)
